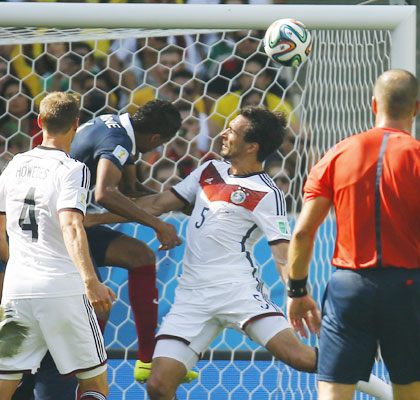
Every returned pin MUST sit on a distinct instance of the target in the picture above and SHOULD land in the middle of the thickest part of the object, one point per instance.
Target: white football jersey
(34, 188)
(230, 215)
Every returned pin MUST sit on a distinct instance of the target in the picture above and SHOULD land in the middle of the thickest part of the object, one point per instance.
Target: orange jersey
(373, 179)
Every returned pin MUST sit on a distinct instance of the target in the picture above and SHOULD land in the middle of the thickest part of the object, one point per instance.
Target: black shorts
(99, 238)
(362, 309)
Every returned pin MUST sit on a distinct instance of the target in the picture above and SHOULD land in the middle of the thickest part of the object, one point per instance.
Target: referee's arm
(300, 249)
(302, 310)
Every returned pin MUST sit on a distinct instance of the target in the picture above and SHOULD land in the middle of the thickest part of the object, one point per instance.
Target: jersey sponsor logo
(238, 196)
(121, 154)
(219, 190)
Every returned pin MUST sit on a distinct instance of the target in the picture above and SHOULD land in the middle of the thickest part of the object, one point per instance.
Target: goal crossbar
(400, 20)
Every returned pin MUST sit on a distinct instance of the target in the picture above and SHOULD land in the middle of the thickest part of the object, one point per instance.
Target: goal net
(209, 74)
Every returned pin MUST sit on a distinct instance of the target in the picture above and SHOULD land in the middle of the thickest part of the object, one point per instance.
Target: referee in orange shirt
(373, 181)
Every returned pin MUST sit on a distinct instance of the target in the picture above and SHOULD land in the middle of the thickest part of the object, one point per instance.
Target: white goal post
(326, 99)
(400, 20)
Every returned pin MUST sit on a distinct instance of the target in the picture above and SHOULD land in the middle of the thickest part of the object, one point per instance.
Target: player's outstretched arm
(107, 194)
(75, 239)
(156, 204)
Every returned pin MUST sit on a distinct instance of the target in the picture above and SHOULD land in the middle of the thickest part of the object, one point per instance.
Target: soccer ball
(287, 42)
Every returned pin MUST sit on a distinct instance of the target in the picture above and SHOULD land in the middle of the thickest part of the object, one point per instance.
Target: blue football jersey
(108, 136)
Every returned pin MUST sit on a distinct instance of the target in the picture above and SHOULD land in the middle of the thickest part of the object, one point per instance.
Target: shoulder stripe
(279, 195)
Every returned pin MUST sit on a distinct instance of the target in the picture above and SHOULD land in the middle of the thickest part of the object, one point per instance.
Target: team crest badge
(238, 197)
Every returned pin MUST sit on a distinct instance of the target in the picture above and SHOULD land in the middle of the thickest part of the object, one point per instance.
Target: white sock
(376, 387)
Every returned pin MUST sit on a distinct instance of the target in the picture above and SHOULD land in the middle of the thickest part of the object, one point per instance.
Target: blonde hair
(58, 112)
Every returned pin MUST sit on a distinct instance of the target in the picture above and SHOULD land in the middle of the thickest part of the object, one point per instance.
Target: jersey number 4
(29, 209)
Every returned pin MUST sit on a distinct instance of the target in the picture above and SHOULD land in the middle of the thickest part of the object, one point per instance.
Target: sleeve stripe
(271, 243)
(179, 196)
(85, 177)
(280, 200)
(71, 210)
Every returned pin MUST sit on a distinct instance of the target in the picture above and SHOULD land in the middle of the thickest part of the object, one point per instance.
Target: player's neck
(401, 125)
(245, 166)
(59, 142)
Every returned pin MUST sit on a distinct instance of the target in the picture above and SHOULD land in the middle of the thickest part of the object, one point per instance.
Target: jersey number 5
(29, 208)
(203, 211)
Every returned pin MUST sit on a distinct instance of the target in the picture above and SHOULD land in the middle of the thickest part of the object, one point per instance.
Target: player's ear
(76, 124)
(374, 105)
(39, 121)
(155, 140)
(417, 108)
(253, 147)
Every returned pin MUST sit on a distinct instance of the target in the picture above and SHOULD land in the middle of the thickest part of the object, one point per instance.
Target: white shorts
(66, 326)
(199, 315)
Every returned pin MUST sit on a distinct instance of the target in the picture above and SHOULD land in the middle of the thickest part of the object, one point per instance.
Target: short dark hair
(267, 128)
(58, 112)
(157, 116)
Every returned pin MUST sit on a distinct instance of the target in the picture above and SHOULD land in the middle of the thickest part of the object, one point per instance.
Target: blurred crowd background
(208, 76)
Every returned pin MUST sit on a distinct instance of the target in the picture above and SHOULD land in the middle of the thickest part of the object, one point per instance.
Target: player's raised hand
(167, 236)
(100, 296)
(303, 313)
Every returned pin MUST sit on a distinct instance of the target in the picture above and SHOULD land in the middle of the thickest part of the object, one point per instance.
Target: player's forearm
(154, 204)
(75, 239)
(139, 190)
(117, 203)
(279, 251)
(143, 190)
(283, 271)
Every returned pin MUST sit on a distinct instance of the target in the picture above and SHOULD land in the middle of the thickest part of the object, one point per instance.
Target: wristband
(297, 287)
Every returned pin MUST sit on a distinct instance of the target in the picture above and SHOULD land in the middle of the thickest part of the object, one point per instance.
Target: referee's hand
(100, 296)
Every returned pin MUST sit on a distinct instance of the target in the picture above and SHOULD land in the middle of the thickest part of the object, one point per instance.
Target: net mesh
(209, 75)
